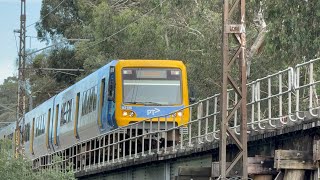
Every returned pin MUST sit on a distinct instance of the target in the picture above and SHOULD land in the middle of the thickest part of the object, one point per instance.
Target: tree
(12, 168)
(43, 83)
(189, 30)
(8, 99)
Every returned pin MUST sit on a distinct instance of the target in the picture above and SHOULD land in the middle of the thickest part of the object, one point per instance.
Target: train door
(111, 98)
(48, 129)
(102, 119)
(56, 118)
(76, 117)
(32, 136)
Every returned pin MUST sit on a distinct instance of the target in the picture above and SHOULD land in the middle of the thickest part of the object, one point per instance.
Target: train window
(10, 136)
(40, 125)
(89, 103)
(90, 100)
(66, 112)
(152, 86)
(27, 132)
(43, 129)
(37, 125)
(84, 103)
(94, 98)
(43, 122)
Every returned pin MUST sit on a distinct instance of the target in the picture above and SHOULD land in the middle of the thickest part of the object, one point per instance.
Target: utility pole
(234, 29)
(21, 82)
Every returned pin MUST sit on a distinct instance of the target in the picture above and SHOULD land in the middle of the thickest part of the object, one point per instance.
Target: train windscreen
(152, 86)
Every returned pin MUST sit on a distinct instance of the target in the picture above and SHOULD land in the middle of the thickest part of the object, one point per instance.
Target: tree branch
(262, 28)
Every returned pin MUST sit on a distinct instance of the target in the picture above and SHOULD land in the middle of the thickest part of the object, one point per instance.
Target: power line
(5, 107)
(55, 69)
(47, 14)
(127, 26)
(41, 87)
(6, 122)
(119, 31)
(55, 44)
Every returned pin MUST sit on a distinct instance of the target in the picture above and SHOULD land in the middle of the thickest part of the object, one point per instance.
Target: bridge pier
(296, 174)
(295, 163)
(262, 177)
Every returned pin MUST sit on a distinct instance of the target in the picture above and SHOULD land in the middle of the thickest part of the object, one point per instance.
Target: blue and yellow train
(118, 94)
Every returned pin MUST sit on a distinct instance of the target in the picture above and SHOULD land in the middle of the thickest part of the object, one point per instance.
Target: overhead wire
(47, 13)
(10, 109)
(47, 84)
(124, 28)
(99, 42)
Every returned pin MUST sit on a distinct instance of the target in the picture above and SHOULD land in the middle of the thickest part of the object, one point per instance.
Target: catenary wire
(47, 14)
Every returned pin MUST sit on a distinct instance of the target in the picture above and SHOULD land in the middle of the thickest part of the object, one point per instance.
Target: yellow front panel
(123, 121)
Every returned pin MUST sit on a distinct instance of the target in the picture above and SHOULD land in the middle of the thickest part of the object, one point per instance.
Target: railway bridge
(283, 137)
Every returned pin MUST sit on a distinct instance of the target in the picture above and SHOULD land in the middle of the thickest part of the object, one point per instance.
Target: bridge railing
(275, 101)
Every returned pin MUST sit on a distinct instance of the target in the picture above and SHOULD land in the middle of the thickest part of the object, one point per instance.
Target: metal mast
(21, 80)
(233, 55)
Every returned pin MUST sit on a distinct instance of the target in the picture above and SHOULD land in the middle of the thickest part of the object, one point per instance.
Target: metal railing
(275, 101)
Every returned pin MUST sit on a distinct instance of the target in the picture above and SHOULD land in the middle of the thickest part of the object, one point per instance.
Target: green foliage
(46, 83)
(61, 20)
(293, 35)
(8, 99)
(188, 30)
(12, 168)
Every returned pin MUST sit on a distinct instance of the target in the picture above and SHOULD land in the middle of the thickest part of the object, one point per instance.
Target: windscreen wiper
(153, 103)
(146, 103)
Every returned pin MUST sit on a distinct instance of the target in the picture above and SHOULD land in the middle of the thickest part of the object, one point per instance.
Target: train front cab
(151, 88)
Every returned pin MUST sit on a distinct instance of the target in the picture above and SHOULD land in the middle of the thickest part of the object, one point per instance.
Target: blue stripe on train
(152, 111)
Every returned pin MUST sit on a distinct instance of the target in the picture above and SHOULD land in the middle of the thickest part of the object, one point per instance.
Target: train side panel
(78, 113)
(36, 133)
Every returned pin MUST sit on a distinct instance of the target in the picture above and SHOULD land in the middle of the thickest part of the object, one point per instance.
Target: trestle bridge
(283, 137)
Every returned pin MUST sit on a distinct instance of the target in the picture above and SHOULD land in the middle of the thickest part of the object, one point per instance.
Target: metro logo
(153, 111)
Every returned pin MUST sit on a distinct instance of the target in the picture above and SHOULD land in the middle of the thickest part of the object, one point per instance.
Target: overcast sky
(9, 19)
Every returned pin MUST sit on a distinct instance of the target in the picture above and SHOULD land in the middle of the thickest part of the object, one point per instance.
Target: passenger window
(84, 103)
(94, 98)
(40, 125)
(89, 103)
(66, 112)
(27, 132)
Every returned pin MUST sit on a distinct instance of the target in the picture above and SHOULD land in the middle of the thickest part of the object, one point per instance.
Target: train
(118, 94)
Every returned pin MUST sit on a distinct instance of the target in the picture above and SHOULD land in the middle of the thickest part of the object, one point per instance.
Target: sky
(10, 20)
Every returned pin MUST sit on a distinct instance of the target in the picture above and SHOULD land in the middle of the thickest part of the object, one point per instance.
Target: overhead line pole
(234, 26)
(21, 81)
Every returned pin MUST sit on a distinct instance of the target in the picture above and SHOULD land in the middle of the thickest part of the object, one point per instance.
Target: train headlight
(124, 113)
(177, 114)
(131, 114)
